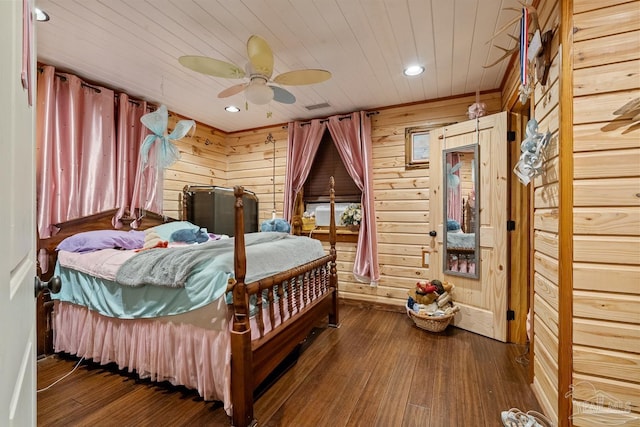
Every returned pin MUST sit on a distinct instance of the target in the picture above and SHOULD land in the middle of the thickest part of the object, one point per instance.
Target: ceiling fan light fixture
(258, 92)
(413, 70)
(260, 89)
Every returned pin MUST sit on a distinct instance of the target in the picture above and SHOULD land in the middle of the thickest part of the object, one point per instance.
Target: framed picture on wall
(416, 147)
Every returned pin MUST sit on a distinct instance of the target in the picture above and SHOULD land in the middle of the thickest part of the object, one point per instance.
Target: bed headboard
(99, 221)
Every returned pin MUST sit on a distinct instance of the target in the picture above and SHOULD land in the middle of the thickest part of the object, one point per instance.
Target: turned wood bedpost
(296, 216)
(333, 278)
(185, 208)
(241, 352)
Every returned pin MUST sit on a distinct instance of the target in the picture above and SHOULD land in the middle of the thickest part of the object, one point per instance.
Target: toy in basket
(430, 305)
(308, 221)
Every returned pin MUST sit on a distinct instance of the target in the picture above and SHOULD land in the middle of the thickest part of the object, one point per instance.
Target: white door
(483, 301)
(17, 228)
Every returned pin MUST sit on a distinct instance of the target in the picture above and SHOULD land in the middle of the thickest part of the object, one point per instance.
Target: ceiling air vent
(317, 106)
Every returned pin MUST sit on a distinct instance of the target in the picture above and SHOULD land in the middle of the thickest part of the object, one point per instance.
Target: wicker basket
(308, 224)
(430, 323)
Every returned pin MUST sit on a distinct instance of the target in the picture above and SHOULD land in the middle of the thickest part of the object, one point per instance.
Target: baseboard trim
(372, 305)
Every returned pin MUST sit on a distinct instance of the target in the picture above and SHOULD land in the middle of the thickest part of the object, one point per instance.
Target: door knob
(433, 233)
(54, 285)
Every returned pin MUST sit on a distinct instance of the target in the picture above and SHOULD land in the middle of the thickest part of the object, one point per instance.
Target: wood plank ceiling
(133, 46)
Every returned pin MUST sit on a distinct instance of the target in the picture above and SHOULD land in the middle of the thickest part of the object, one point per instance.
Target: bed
(461, 241)
(224, 346)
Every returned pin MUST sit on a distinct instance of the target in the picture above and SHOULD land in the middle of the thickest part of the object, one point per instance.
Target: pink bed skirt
(159, 350)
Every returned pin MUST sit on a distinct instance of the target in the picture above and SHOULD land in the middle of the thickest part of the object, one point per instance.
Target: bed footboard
(288, 306)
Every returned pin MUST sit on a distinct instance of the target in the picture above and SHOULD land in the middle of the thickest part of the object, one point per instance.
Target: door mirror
(461, 225)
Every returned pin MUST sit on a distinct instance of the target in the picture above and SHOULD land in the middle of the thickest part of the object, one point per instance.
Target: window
(326, 163)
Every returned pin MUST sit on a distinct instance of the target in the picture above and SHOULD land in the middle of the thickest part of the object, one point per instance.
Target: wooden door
(17, 228)
(483, 301)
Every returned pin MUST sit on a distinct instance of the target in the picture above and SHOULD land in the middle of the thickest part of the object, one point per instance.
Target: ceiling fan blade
(212, 67)
(302, 77)
(260, 56)
(230, 91)
(282, 95)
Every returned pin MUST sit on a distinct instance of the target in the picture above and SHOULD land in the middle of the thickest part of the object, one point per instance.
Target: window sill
(343, 234)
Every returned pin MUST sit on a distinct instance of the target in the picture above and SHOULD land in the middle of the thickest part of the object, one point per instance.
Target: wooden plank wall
(545, 220)
(250, 164)
(401, 196)
(606, 218)
(545, 224)
(606, 214)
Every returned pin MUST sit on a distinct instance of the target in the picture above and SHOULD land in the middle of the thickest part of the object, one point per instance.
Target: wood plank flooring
(377, 369)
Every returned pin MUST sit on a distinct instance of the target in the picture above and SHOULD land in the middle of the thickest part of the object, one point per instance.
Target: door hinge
(511, 225)
(511, 136)
(511, 315)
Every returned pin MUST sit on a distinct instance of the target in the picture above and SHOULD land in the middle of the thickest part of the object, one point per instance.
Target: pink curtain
(149, 187)
(353, 141)
(131, 133)
(302, 146)
(76, 149)
(84, 166)
(454, 203)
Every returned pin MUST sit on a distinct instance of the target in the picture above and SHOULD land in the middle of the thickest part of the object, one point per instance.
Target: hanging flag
(524, 43)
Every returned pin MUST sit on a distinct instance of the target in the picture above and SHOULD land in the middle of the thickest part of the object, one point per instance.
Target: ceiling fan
(259, 69)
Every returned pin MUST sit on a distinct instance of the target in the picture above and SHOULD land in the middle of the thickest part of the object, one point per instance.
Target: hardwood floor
(377, 369)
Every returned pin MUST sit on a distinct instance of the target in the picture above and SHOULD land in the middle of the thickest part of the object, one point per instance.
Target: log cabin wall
(250, 164)
(401, 195)
(544, 192)
(598, 327)
(606, 214)
(203, 161)
(546, 205)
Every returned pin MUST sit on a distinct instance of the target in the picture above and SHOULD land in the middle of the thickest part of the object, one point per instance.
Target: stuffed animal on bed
(190, 235)
(153, 240)
(453, 226)
(276, 224)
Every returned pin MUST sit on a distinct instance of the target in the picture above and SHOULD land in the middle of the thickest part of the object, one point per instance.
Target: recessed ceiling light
(413, 70)
(232, 109)
(41, 15)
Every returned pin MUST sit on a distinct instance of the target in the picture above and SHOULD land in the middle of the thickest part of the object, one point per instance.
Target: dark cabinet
(213, 208)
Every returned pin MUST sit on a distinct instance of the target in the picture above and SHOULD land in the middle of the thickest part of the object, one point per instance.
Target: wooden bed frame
(468, 217)
(251, 360)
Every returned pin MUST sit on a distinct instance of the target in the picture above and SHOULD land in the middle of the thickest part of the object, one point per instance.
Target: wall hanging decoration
(630, 110)
(271, 140)
(453, 180)
(528, 44)
(157, 153)
(274, 224)
(531, 27)
(477, 109)
(543, 57)
(417, 147)
(157, 122)
(531, 160)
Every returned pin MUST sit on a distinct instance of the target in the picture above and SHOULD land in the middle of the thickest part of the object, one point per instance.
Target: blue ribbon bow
(157, 121)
